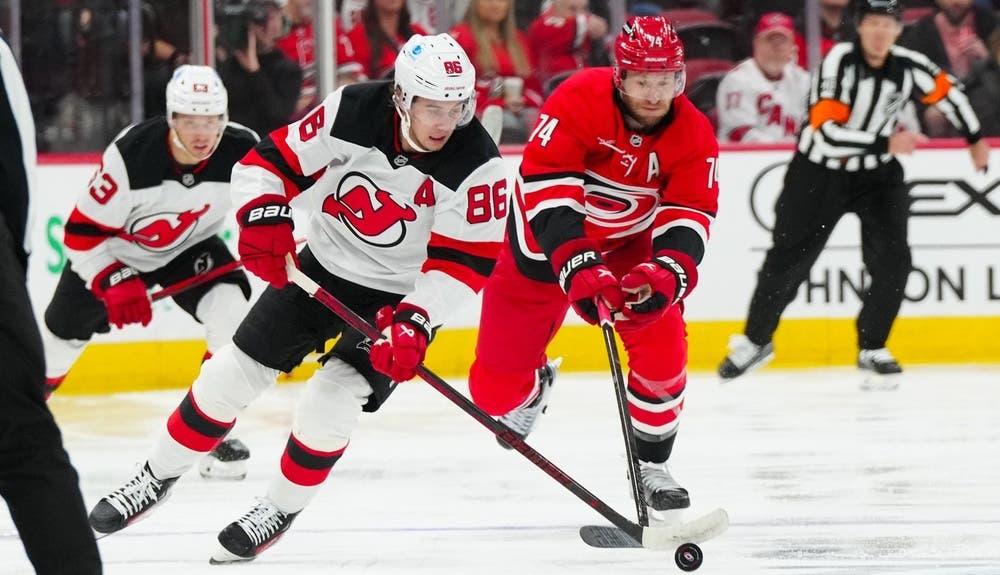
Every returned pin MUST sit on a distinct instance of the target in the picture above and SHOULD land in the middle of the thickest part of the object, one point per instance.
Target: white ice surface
(818, 477)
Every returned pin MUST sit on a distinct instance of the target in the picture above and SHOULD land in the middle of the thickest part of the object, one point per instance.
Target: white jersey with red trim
(142, 208)
(755, 108)
(427, 226)
(586, 173)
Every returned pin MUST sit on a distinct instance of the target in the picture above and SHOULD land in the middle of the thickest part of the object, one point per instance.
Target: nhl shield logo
(400, 160)
(188, 180)
(635, 140)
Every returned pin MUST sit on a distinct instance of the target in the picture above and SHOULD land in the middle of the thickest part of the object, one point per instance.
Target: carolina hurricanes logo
(160, 232)
(618, 210)
(371, 214)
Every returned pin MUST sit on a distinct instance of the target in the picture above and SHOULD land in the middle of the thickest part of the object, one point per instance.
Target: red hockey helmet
(649, 44)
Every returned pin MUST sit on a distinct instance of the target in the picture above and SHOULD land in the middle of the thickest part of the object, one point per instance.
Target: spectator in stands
(422, 13)
(561, 37)
(384, 27)
(763, 99)
(954, 37)
(983, 88)
(299, 46)
(165, 46)
(504, 74)
(836, 25)
(263, 84)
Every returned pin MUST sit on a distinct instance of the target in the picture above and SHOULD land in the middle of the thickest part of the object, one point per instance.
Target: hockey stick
(608, 328)
(186, 284)
(492, 121)
(659, 538)
(196, 280)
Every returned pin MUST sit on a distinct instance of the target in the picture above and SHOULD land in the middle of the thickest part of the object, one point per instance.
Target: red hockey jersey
(585, 173)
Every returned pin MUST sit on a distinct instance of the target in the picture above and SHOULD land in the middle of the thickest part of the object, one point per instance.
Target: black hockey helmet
(884, 7)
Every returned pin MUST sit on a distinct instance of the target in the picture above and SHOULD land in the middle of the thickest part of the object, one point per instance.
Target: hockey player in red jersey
(150, 215)
(615, 196)
(406, 196)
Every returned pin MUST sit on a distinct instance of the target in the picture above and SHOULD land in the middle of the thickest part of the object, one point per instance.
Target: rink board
(951, 312)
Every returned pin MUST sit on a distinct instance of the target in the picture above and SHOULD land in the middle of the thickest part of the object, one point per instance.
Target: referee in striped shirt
(845, 162)
(37, 480)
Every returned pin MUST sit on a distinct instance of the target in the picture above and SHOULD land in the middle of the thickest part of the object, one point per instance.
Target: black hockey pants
(813, 200)
(37, 481)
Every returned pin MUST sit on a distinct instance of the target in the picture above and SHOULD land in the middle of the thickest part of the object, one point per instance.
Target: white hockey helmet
(197, 91)
(436, 68)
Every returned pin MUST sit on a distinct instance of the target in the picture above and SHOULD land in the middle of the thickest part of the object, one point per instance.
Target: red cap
(775, 22)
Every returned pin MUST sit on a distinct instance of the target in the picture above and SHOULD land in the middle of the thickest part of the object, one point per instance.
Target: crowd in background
(744, 56)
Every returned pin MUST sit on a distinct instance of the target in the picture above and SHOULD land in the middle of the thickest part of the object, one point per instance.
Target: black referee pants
(813, 200)
(37, 481)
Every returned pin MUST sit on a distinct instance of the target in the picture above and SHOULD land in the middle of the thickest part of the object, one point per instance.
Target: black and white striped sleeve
(940, 89)
(17, 161)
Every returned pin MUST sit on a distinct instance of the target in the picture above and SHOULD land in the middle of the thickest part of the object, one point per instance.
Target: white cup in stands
(512, 87)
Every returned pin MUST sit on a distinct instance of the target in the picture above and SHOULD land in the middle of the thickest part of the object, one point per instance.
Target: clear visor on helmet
(442, 112)
(652, 85)
(190, 124)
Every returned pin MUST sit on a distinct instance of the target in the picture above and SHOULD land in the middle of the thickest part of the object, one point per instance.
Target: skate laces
(262, 521)
(877, 356)
(133, 496)
(656, 477)
(742, 351)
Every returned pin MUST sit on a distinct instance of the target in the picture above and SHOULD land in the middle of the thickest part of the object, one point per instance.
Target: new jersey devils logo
(371, 214)
(161, 232)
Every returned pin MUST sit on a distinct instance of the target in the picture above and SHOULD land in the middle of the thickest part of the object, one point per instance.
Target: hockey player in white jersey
(406, 197)
(149, 216)
(763, 99)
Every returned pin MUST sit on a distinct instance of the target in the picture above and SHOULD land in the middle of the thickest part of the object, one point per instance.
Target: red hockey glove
(265, 237)
(123, 294)
(652, 287)
(407, 331)
(583, 276)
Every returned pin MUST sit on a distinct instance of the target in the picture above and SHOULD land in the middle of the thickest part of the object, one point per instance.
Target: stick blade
(607, 537)
(664, 538)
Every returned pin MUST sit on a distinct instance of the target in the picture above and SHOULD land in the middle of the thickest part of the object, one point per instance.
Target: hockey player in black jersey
(150, 215)
(406, 197)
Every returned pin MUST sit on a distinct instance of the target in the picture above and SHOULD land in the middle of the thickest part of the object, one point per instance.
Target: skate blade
(215, 470)
(222, 556)
(877, 382)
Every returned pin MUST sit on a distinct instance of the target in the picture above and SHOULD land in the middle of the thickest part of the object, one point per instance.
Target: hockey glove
(265, 237)
(652, 287)
(407, 332)
(123, 294)
(583, 277)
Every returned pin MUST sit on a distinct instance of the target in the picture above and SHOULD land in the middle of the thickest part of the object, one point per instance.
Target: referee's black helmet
(884, 7)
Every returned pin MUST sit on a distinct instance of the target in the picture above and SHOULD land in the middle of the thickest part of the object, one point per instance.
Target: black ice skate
(661, 491)
(247, 537)
(881, 369)
(744, 355)
(522, 421)
(130, 502)
(227, 461)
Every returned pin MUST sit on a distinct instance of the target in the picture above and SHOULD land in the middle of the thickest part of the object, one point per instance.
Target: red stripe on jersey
(279, 137)
(308, 476)
(83, 242)
(479, 249)
(671, 214)
(652, 418)
(557, 192)
(253, 158)
(464, 274)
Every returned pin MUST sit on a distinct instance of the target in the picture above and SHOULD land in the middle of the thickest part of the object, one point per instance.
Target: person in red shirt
(614, 200)
(503, 62)
(384, 27)
(299, 45)
(561, 36)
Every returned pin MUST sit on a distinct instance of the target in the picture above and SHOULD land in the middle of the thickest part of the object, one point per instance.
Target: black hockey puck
(688, 557)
